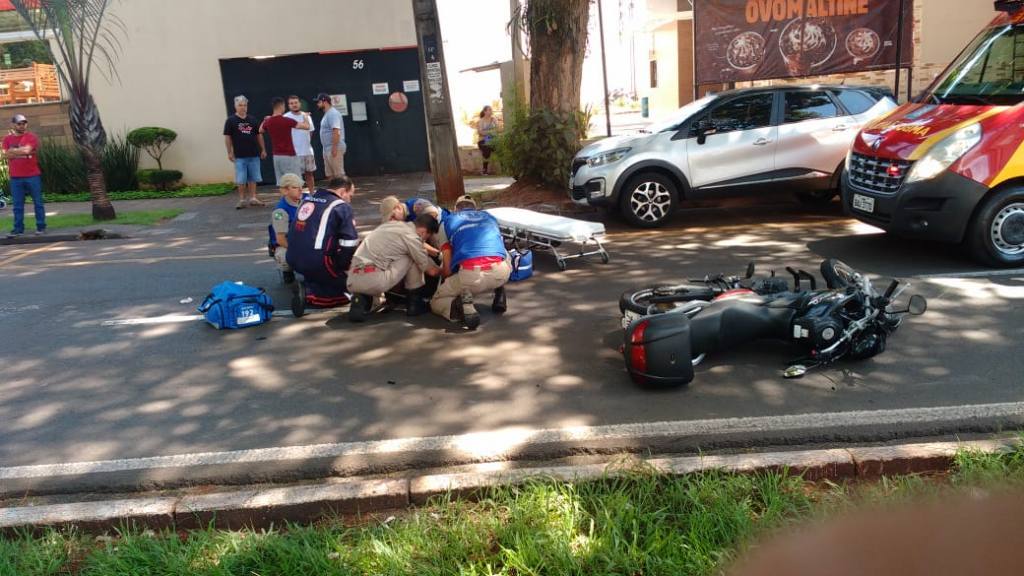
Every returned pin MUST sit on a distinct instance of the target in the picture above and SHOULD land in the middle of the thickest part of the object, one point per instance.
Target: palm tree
(84, 33)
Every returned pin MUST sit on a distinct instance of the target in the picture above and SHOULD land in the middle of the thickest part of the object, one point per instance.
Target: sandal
(241, 204)
(256, 202)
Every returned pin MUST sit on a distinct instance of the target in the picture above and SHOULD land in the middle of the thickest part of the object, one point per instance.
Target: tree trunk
(87, 130)
(558, 46)
(102, 209)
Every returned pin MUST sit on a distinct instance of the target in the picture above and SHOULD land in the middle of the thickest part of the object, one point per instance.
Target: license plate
(863, 203)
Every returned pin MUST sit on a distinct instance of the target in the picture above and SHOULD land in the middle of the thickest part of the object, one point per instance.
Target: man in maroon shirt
(280, 129)
(21, 148)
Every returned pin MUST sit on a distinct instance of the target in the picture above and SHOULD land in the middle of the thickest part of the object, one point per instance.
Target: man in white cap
(394, 251)
(21, 148)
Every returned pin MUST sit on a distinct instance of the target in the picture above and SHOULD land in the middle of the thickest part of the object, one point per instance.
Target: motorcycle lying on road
(671, 329)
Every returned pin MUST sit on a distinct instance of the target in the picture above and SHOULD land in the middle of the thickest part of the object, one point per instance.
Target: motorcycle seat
(793, 300)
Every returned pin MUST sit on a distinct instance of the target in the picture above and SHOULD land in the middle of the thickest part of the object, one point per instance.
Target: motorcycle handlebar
(891, 289)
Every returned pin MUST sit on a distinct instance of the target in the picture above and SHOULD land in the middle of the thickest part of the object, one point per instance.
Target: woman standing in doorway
(486, 131)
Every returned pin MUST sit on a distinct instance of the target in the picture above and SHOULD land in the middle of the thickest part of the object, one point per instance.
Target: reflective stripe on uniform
(348, 243)
(322, 231)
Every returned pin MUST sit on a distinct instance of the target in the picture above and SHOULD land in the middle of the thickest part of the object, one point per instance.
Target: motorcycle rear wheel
(662, 298)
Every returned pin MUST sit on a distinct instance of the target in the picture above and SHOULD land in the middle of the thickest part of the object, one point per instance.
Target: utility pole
(899, 51)
(604, 69)
(444, 149)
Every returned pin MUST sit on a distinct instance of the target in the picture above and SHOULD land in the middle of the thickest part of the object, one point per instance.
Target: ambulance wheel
(605, 258)
(648, 200)
(561, 265)
(996, 237)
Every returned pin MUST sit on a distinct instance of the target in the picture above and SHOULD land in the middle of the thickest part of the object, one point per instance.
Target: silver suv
(791, 138)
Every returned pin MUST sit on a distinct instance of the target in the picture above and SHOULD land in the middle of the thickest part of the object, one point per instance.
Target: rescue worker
(392, 252)
(321, 244)
(281, 220)
(474, 261)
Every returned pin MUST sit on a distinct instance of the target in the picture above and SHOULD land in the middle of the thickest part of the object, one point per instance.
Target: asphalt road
(75, 388)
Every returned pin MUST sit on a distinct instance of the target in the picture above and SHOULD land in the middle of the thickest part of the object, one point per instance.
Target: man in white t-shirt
(332, 136)
(301, 142)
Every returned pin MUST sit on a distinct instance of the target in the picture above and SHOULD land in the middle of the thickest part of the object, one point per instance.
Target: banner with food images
(739, 40)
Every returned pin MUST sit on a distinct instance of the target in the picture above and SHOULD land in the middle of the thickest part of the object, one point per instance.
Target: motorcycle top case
(657, 350)
(234, 305)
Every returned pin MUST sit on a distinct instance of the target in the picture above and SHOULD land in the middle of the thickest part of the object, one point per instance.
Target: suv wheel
(648, 200)
(996, 237)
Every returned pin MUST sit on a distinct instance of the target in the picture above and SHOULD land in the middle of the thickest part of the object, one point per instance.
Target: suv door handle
(762, 142)
(841, 128)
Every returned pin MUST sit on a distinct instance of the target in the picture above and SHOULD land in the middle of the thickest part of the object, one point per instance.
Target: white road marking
(974, 274)
(489, 446)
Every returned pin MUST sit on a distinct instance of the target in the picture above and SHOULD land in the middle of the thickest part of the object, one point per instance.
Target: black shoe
(288, 276)
(470, 317)
(299, 300)
(360, 308)
(500, 303)
(414, 303)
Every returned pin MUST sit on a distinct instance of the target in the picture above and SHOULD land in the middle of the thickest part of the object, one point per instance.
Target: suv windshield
(672, 123)
(989, 72)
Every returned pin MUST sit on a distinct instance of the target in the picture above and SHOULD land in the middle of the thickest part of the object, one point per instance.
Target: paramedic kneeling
(474, 261)
(321, 244)
(281, 220)
(393, 251)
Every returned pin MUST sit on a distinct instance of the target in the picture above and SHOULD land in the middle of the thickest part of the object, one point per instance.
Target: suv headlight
(608, 157)
(943, 154)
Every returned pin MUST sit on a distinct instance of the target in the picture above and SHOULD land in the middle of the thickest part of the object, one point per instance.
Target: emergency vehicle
(949, 166)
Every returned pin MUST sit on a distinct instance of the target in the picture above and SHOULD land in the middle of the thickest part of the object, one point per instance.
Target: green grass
(643, 523)
(57, 221)
(196, 191)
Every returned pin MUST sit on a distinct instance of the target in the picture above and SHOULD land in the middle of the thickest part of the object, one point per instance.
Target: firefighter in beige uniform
(394, 251)
(280, 220)
(474, 261)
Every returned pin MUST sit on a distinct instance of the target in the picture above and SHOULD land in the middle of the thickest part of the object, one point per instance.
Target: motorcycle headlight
(943, 154)
(608, 157)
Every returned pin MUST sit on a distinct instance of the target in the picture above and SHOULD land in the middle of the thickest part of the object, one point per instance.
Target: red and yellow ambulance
(950, 166)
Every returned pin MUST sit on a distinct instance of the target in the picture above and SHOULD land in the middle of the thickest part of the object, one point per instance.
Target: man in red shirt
(280, 129)
(21, 148)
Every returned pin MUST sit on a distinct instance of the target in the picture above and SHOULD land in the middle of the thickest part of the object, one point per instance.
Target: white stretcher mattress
(549, 225)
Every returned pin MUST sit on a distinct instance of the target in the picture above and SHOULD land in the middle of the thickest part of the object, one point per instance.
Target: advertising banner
(741, 40)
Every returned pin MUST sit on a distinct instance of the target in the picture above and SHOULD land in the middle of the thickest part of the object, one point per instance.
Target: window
(802, 106)
(855, 101)
(654, 73)
(743, 113)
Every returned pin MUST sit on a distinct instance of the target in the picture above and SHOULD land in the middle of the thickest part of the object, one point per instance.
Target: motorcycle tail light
(637, 352)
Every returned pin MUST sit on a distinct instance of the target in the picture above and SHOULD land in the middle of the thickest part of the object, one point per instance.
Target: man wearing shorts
(301, 141)
(280, 130)
(245, 149)
(332, 137)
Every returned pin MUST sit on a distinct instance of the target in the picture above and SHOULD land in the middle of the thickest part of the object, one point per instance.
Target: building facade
(182, 63)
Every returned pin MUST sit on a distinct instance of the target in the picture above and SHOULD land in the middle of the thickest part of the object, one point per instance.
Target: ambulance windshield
(990, 72)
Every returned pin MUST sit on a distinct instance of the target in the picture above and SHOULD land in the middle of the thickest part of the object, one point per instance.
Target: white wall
(169, 66)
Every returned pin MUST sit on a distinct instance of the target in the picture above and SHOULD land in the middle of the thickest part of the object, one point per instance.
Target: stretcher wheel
(605, 258)
(561, 265)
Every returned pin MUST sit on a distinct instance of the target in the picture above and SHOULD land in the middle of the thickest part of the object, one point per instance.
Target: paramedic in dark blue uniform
(474, 261)
(321, 244)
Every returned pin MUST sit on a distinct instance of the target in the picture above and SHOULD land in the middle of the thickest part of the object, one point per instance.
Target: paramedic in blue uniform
(281, 220)
(474, 261)
(321, 244)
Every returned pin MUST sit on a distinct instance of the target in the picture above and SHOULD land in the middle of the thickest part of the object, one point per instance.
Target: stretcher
(549, 232)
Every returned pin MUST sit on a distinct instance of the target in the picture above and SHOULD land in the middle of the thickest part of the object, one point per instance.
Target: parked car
(787, 137)
(949, 166)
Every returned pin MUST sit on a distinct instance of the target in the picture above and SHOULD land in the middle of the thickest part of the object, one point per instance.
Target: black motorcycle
(848, 319)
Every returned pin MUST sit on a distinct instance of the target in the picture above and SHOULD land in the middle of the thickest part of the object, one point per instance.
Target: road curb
(262, 506)
(358, 459)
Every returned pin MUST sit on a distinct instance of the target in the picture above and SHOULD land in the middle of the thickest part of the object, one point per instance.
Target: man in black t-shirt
(246, 149)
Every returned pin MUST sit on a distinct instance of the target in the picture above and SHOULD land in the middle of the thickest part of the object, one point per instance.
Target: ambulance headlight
(942, 155)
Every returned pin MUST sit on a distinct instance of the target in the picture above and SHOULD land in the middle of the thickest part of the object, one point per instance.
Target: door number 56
(358, 65)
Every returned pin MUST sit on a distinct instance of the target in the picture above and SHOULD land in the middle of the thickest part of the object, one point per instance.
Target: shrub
(159, 179)
(120, 164)
(62, 167)
(154, 140)
(539, 145)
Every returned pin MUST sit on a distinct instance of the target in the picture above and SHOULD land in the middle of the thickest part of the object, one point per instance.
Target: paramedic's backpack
(234, 305)
(522, 264)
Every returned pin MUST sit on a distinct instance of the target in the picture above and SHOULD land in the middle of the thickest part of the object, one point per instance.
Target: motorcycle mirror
(750, 269)
(795, 371)
(918, 305)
